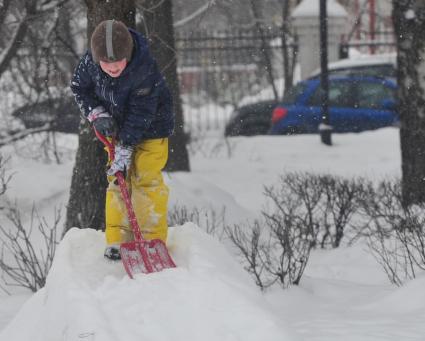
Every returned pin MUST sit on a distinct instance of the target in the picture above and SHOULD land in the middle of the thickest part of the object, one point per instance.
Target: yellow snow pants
(149, 195)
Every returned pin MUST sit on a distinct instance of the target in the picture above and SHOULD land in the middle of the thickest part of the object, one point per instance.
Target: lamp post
(325, 128)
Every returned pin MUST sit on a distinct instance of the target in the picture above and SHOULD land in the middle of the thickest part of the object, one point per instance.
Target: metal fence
(381, 42)
(220, 71)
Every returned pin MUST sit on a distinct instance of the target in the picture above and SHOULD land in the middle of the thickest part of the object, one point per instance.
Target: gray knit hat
(111, 41)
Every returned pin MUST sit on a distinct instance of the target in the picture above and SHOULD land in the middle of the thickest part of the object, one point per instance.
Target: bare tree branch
(33, 9)
(204, 8)
(10, 50)
(24, 133)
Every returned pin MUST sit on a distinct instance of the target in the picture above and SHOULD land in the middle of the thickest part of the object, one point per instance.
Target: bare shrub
(247, 241)
(21, 262)
(395, 232)
(339, 206)
(401, 254)
(382, 208)
(29, 265)
(275, 250)
(324, 204)
(208, 219)
(305, 211)
(290, 245)
(297, 198)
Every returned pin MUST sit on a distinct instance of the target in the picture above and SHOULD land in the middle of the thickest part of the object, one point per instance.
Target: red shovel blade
(145, 257)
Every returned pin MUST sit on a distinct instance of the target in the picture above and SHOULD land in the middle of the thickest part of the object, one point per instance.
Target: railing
(382, 42)
(220, 71)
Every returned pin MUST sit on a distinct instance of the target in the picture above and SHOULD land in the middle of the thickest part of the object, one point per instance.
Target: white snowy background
(344, 293)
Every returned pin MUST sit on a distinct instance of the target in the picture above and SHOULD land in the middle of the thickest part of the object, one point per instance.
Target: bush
(211, 221)
(273, 251)
(29, 265)
(324, 204)
(306, 211)
(395, 233)
(22, 263)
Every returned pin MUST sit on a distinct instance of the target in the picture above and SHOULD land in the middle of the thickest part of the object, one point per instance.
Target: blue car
(356, 103)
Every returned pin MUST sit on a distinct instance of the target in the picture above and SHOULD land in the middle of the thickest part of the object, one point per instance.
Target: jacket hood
(140, 52)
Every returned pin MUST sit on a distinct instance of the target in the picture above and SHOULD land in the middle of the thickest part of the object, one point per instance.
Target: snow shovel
(140, 255)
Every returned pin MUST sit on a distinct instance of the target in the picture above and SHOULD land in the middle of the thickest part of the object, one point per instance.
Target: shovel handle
(123, 188)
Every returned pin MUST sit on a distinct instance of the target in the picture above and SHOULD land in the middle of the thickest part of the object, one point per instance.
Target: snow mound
(409, 298)
(207, 297)
(193, 191)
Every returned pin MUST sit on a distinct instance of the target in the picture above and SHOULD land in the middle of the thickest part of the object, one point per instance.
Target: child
(122, 94)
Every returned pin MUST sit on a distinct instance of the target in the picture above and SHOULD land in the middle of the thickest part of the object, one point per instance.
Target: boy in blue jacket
(121, 92)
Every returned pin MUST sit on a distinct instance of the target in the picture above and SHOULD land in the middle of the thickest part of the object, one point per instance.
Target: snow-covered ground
(208, 296)
(344, 293)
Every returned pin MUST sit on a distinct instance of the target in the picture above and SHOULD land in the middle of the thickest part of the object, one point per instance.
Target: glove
(122, 159)
(102, 122)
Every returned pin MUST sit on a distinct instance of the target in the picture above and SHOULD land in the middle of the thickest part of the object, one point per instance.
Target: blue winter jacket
(138, 100)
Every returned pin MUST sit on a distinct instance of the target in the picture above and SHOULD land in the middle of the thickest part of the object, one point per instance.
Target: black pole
(325, 128)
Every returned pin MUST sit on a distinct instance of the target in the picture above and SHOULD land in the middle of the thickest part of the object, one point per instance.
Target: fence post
(306, 23)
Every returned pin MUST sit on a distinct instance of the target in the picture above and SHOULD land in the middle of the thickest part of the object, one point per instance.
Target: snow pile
(207, 297)
(194, 192)
(408, 299)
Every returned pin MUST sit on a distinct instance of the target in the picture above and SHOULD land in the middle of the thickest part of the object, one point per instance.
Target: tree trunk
(409, 23)
(265, 51)
(86, 206)
(288, 60)
(158, 22)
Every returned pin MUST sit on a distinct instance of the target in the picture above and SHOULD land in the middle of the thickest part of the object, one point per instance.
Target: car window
(372, 95)
(386, 70)
(293, 93)
(340, 95)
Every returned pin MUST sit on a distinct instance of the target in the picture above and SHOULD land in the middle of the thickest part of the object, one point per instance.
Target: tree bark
(86, 206)
(409, 23)
(158, 27)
